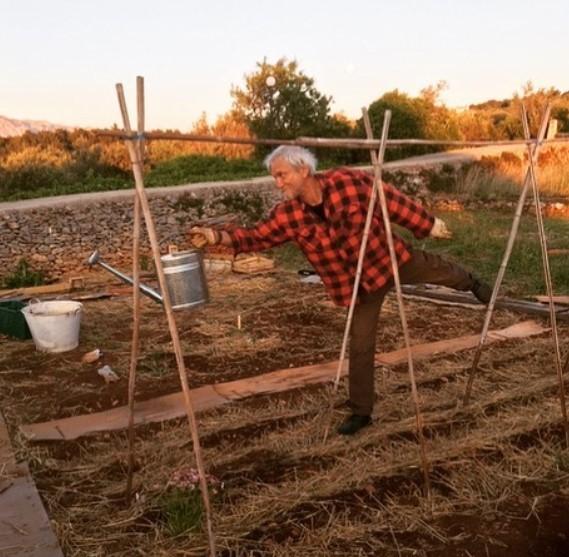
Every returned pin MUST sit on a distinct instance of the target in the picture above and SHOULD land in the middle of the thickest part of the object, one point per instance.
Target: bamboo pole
(378, 186)
(547, 277)
(361, 255)
(134, 350)
(139, 184)
(505, 259)
(331, 143)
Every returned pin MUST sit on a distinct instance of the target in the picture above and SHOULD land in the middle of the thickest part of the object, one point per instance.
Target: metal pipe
(95, 259)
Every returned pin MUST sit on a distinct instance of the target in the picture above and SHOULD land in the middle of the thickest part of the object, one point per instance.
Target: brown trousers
(423, 267)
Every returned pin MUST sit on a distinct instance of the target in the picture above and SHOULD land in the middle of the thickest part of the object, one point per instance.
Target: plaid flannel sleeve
(265, 234)
(407, 213)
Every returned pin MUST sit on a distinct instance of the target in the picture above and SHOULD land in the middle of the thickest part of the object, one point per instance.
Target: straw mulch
(499, 469)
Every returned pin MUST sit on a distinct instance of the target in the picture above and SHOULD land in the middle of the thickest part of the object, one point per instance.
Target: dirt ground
(499, 469)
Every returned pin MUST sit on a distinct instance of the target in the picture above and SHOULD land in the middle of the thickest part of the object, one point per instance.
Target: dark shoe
(482, 291)
(353, 424)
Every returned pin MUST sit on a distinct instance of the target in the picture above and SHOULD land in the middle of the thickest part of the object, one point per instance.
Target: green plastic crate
(12, 320)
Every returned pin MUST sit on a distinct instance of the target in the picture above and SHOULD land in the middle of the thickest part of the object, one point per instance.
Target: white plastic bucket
(54, 325)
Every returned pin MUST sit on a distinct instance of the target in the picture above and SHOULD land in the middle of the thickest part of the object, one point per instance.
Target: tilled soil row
(400, 483)
(266, 466)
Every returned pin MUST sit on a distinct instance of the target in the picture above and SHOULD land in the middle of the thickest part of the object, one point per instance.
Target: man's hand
(200, 237)
(440, 230)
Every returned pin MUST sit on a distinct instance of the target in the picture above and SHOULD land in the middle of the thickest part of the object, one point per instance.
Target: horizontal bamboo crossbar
(332, 143)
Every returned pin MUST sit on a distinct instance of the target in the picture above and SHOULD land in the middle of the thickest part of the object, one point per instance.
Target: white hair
(294, 155)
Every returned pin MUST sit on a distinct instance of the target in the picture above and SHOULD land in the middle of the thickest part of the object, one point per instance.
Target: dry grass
(499, 177)
(495, 466)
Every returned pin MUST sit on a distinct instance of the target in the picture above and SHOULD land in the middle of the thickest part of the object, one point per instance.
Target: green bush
(24, 276)
(87, 173)
(200, 168)
(181, 510)
(15, 184)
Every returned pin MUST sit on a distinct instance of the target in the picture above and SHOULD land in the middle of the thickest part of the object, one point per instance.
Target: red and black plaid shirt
(332, 245)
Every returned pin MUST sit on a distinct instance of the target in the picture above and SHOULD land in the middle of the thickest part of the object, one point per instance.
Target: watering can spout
(95, 259)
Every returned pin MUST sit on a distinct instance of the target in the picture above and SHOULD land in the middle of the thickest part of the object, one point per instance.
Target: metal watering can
(184, 274)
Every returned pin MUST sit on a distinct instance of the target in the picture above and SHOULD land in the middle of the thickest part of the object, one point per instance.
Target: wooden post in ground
(377, 161)
(547, 276)
(139, 184)
(134, 349)
(502, 270)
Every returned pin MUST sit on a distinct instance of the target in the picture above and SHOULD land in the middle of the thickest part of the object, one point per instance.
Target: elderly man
(324, 214)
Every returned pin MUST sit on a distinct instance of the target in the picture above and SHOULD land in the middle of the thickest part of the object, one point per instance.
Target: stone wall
(57, 235)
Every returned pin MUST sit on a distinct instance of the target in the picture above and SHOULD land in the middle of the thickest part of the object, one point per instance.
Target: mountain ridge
(12, 127)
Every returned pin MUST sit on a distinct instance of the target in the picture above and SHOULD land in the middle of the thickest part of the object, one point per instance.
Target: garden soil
(499, 468)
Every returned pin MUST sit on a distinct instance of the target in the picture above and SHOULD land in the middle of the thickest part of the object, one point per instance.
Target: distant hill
(10, 127)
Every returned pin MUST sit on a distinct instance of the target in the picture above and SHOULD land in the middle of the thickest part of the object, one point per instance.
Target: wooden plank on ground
(451, 345)
(154, 410)
(7, 458)
(277, 381)
(522, 306)
(211, 396)
(45, 289)
(562, 300)
(25, 530)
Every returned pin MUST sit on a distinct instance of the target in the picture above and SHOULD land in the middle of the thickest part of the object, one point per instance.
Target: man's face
(290, 180)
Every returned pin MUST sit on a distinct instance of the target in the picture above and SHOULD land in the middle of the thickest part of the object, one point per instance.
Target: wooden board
(562, 300)
(277, 381)
(252, 263)
(44, 290)
(25, 530)
(153, 410)
(211, 396)
(522, 306)
(421, 351)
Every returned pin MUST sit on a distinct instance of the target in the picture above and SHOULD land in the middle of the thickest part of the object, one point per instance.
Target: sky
(60, 59)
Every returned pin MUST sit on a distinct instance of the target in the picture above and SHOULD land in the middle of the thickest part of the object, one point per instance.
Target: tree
(441, 123)
(408, 121)
(279, 101)
(422, 117)
(535, 102)
(231, 125)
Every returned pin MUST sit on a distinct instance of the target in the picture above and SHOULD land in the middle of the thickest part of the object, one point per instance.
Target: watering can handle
(33, 302)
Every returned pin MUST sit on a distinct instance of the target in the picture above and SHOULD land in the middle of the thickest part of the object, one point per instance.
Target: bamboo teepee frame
(377, 159)
(530, 179)
(534, 151)
(135, 149)
(134, 142)
(377, 191)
